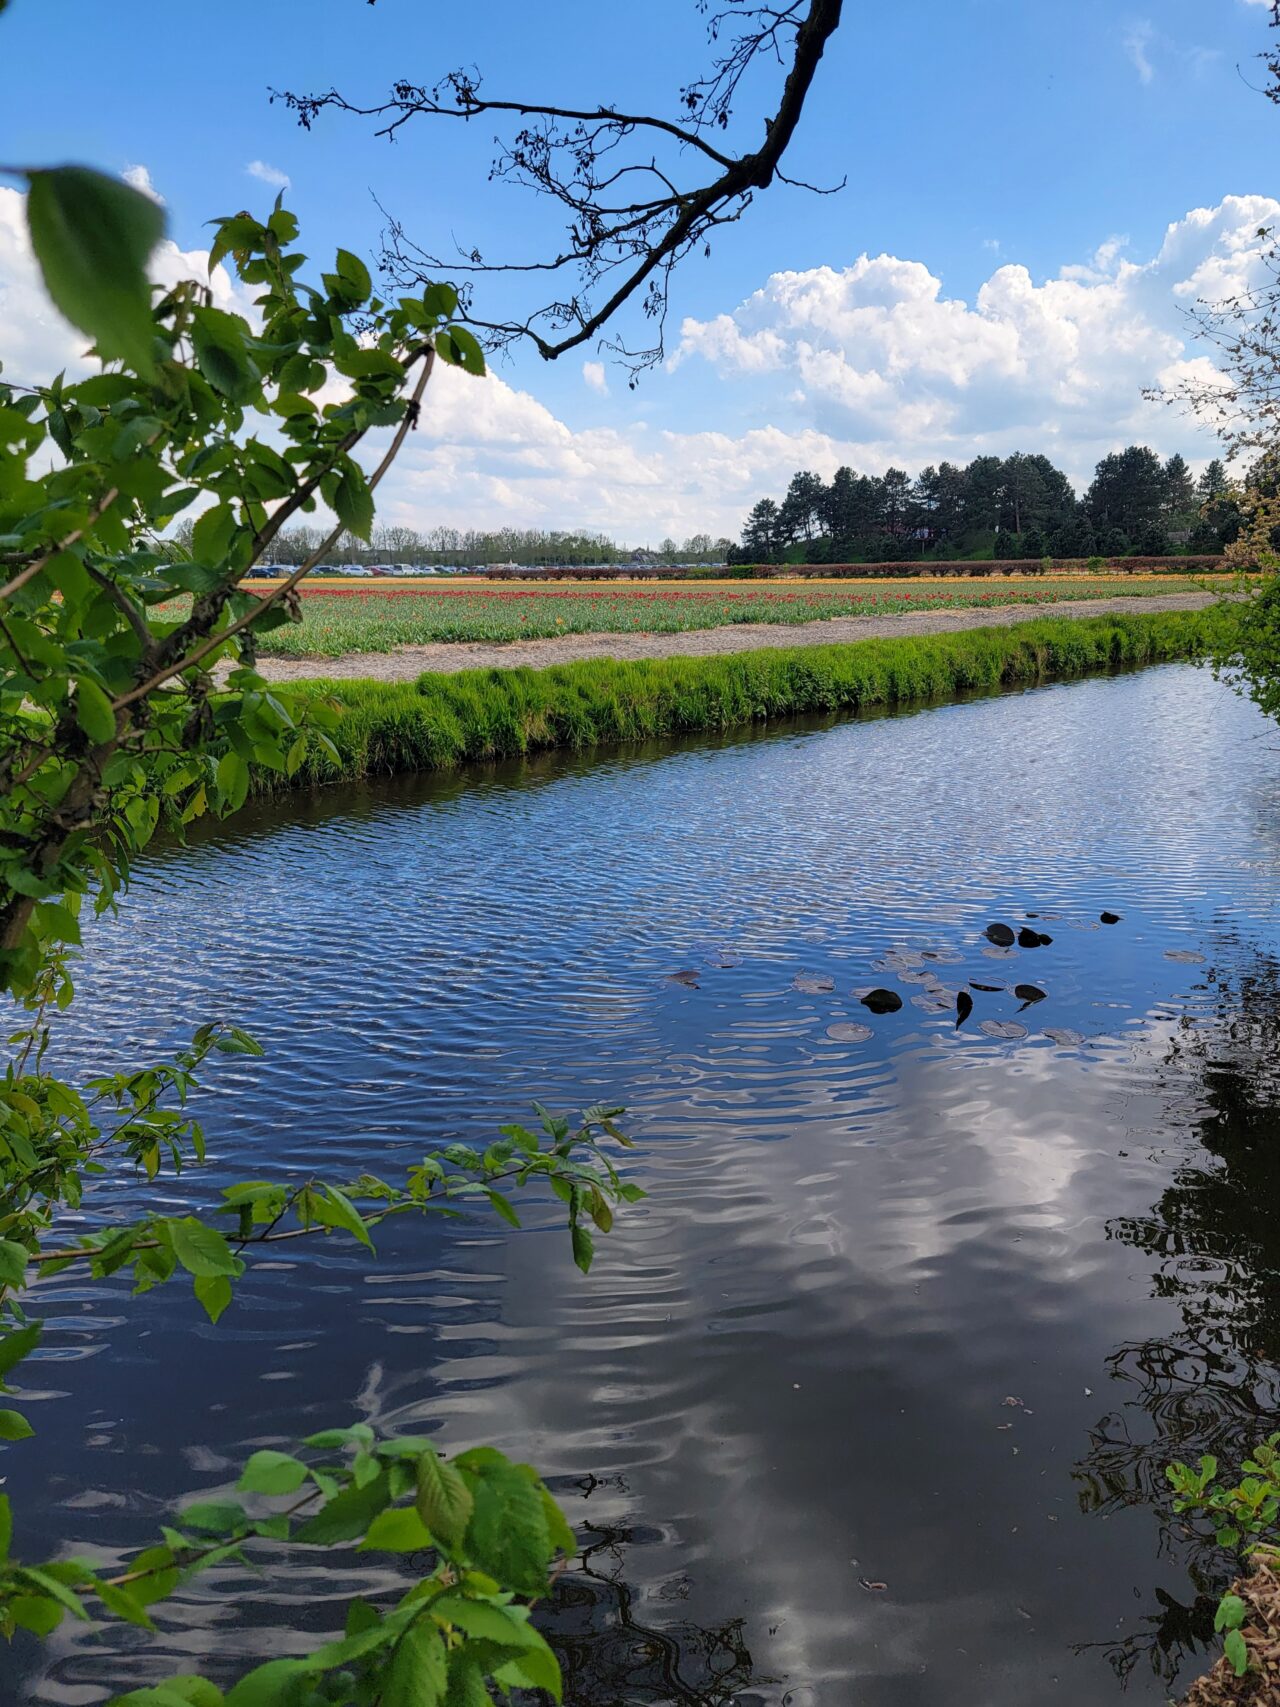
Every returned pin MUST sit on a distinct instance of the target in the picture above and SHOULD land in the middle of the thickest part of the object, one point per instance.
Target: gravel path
(408, 662)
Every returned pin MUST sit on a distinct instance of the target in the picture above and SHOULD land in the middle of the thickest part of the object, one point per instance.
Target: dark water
(928, 1312)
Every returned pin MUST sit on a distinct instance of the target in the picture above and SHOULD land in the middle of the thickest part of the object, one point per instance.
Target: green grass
(442, 721)
(365, 619)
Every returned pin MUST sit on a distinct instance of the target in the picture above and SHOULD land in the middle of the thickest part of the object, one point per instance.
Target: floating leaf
(1028, 993)
(1027, 938)
(1001, 935)
(987, 989)
(1110, 918)
(850, 1032)
(964, 1007)
(688, 978)
(1064, 1035)
(882, 1001)
(813, 983)
(998, 953)
(1184, 956)
(1003, 1028)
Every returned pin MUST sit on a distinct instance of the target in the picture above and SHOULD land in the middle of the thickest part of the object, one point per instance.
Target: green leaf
(15, 1345)
(485, 1621)
(445, 1503)
(92, 237)
(233, 780)
(214, 1292)
(213, 1517)
(466, 1682)
(397, 1530)
(14, 1426)
(583, 1247)
(212, 534)
(418, 1673)
(201, 1250)
(93, 711)
(269, 1685)
(269, 1472)
(184, 1691)
(35, 1612)
(13, 1262)
(218, 340)
(354, 271)
(508, 1536)
(460, 348)
(1231, 1613)
(353, 501)
(346, 1215)
(1237, 1652)
(123, 1604)
(348, 1514)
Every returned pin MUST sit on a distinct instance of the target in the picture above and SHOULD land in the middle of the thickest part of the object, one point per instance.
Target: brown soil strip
(407, 662)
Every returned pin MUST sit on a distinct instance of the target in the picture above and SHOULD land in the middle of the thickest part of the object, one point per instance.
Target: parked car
(264, 572)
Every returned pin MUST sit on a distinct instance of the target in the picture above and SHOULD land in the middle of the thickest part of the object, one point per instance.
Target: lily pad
(1003, 1028)
(933, 1002)
(813, 983)
(1027, 938)
(998, 953)
(1064, 1035)
(964, 1007)
(1028, 993)
(1002, 935)
(688, 978)
(987, 989)
(1110, 918)
(848, 1031)
(882, 1001)
(1184, 956)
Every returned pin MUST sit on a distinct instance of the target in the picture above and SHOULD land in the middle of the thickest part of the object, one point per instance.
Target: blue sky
(976, 135)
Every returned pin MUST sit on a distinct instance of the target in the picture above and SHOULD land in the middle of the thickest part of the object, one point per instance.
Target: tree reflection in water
(1214, 1237)
(611, 1658)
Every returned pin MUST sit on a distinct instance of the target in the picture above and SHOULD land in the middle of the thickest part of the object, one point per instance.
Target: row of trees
(460, 548)
(1019, 506)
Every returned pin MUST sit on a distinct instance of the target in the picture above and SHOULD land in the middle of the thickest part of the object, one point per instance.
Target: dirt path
(406, 662)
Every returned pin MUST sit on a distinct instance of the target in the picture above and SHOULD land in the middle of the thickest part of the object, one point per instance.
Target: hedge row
(440, 722)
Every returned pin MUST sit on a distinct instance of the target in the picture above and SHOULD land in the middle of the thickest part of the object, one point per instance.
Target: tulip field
(339, 619)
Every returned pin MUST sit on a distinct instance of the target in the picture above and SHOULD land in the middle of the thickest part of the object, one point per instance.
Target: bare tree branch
(619, 246)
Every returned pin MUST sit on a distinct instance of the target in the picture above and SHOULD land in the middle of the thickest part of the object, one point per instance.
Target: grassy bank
(442, 721)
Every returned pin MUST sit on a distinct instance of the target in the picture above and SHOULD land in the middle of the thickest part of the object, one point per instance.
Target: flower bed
(338, 619)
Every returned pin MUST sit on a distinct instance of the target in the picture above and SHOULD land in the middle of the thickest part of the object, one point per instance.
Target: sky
(1035, 196)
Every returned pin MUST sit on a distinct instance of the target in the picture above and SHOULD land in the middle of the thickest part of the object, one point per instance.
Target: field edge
(443, 721)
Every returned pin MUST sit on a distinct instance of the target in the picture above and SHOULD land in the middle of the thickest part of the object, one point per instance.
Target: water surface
(868, 1401)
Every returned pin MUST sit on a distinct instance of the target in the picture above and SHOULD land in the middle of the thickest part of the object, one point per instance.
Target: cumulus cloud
(36, 341)
(140, 178)
(268, 174)
(868, 363)
(593, 373)
(876, 355)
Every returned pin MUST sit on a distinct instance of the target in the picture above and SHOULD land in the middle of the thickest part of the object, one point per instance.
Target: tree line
(1015, 507)
(461, 548)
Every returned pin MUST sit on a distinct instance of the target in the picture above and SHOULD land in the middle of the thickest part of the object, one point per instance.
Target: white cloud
(37, 342)
(879, 359)
(1137, 40)
(869, 363)
(594, 375)
(140, 178)
(269, 174)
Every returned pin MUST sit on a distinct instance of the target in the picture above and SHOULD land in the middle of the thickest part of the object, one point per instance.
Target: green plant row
(443, 721)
